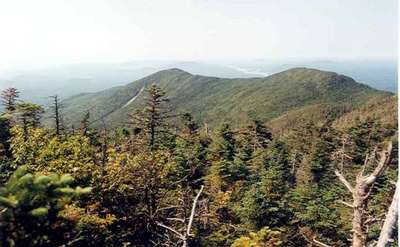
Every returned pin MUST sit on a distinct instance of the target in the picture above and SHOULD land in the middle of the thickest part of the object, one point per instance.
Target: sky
(57, 32)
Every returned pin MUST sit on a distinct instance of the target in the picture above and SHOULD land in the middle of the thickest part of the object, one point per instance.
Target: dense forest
(165, 179)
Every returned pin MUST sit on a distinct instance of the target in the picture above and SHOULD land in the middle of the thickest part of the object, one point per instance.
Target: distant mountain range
(238, 101)
(379, 74)
(65, 81)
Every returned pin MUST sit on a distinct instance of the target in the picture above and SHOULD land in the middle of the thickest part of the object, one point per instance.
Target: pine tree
(190, 126)
(366, 134)
(265, 203)
(321, 163)
(85, 123)
(222, 152)
(5, 135)
(29, 115)
(259, 134)
(223, 146)
(9, 99)
(151, 121)
(190, 153)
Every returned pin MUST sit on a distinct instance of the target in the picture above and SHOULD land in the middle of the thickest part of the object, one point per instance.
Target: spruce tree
(222, 154)
(150, 122)
(266, 203)
(29, 115)
(85, 124)
(190, 153)
(5, 135)
(321, 163)
(9, 99)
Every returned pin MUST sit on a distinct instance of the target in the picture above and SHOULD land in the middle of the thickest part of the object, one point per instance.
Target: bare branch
(320, 243)
(193, 211)
(367, 158)
(172, 230)
(344, 181)
(384, 161)
(347, 204)
(165, 208)
(370, 220)
(176, 219)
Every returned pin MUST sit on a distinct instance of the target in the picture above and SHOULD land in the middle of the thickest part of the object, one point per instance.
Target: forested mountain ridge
(216, 100)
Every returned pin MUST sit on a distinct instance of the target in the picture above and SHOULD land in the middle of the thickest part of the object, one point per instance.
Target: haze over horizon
(57, 32)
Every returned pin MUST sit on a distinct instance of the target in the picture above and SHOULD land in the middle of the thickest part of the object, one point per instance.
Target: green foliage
(29, 114)
(263, 238)
(321, 156)
(150, 120)
(9, 98)
(42, 151)
(265, 203)
(260, 188)
(5, 135)
(31, 204)
(318, 210)
(190, 154)
(366, 134)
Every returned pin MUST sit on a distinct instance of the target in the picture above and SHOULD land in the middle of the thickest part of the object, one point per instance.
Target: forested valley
(166, 179)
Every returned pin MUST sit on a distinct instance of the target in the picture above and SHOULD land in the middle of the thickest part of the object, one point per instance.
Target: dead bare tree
(185, 233)
(361, 192)
(390, 221)
(56, 113)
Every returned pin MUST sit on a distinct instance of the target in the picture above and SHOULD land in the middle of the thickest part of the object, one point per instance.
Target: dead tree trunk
(56, 114)
(391, 219)
(361, 192)
(185, 236)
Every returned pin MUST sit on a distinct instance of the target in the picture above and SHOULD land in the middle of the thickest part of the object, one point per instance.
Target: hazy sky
(38, 33)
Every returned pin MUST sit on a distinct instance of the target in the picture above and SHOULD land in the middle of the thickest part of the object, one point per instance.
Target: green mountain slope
(214, 99)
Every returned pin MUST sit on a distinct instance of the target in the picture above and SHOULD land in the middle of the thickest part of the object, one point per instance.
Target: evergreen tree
(151, 120)
(259, 134)
(5, 135)
(9, 99)
(266, 203)
(85, 123)
(190, 126)
(30, 206)
(29, 115)
(365, 135)
(321, 156)
(222, 153)
(263, 238)
(190, 153)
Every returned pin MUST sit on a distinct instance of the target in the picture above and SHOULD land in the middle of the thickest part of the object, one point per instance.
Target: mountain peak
(319, 78)
(175, 71)
(308, 71)
(235, 100)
